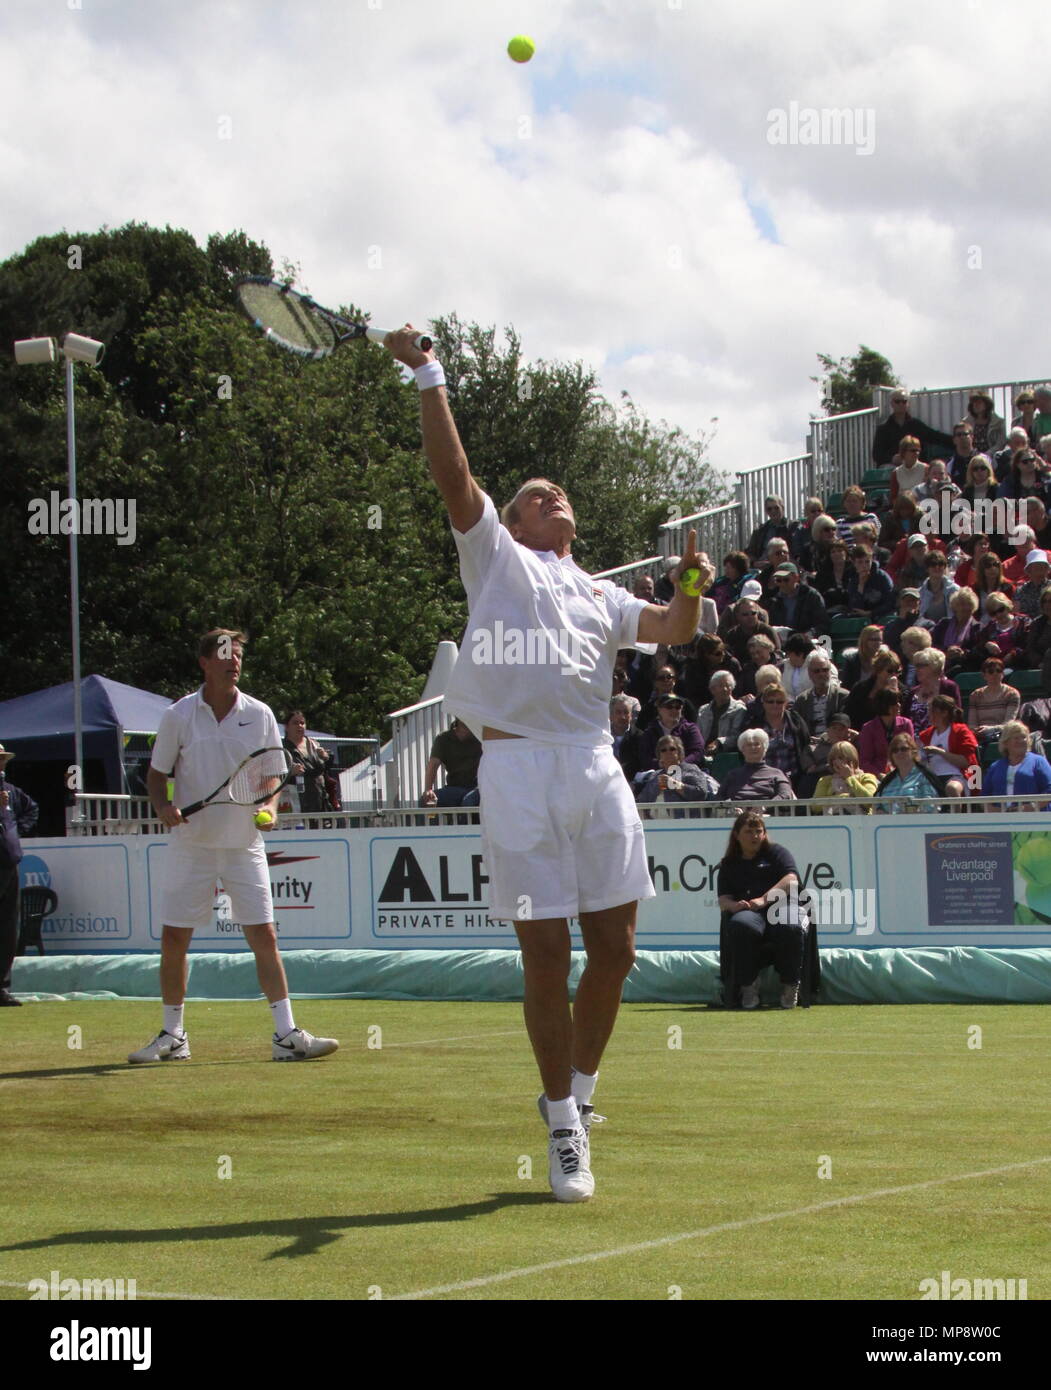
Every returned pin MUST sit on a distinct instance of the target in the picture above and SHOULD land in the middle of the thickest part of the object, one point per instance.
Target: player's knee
(613, 959)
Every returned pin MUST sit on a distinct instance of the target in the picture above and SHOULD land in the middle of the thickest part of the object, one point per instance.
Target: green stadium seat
(834, 504)
(845, 629)
(723, 762)
(988, 754)
(876, 477)
(1025, 682)
(968, 681)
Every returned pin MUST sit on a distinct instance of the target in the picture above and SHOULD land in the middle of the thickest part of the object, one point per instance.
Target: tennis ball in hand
(691, 583)
(521, 48)
(263, 818)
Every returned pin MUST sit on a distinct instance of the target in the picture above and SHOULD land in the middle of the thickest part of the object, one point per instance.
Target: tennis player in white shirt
(560, 831)
(202, 739)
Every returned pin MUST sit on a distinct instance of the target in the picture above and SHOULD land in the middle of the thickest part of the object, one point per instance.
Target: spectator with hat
(796, 605)
(1024, 422)
(745, 623)
(670, 721)
(1023, 541)
(18, 816)
(908, 616)
(1027, 595)
(907, 566)
(665, 682)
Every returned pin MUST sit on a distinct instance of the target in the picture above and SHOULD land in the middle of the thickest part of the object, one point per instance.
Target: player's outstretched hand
(691, 561)
(401, 345)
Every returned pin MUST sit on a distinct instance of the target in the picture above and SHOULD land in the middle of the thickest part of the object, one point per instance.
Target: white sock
(173, 1019)
(583, 1086)
(563, 1114)
(283, 1020)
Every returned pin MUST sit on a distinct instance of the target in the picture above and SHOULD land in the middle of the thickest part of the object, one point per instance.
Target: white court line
(464, 1037)
(189, 1297)
(708, 1231)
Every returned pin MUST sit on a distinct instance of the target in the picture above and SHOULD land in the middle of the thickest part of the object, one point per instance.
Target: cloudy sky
(671, 190)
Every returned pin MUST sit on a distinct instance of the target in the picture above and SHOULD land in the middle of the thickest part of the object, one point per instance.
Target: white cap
(751, 588)
(1036, 557)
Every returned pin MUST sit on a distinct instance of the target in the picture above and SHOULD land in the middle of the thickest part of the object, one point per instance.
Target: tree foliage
(847, 385)
(289, 499)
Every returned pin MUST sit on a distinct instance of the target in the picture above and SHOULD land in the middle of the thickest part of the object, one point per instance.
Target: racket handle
(422, 341)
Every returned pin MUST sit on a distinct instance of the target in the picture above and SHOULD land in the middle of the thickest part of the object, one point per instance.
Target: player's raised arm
(441, 441)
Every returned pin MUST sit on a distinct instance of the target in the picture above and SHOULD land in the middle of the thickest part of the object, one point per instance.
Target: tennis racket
(261, 776)
(299, 324)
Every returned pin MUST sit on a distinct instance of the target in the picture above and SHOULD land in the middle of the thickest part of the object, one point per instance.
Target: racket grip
(422, 341)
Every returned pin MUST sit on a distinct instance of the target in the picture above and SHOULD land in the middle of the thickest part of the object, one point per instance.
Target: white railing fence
(626, 575)
(841, 447)
(790, 479)
(943, 407)
(413, 731)
(718, 532)
(133, 815)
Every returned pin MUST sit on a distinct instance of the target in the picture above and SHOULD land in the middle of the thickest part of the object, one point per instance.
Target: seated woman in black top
(758, 886)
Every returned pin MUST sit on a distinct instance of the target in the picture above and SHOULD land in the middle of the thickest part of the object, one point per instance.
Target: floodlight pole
(30, 351)
(74, 576)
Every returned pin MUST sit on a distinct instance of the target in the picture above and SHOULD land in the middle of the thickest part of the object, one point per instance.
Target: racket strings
(260, 778)
(286, 317)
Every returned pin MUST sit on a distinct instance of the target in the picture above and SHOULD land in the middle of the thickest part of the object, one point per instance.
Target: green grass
(399, 1167)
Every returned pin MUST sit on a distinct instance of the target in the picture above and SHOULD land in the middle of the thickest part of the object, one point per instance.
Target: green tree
(287, 498)
(847, 385)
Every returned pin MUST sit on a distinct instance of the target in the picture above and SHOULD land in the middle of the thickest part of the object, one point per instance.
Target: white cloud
(596, 198)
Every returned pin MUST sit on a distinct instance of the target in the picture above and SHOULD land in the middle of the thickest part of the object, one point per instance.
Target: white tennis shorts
(560, 830)
(188, 891)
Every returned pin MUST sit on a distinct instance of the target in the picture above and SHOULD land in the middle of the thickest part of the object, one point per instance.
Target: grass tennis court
(399, 1168)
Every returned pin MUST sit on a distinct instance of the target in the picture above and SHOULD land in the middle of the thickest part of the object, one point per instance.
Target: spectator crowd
(894, 644)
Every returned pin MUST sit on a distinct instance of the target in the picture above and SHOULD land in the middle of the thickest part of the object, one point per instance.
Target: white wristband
(430, 374)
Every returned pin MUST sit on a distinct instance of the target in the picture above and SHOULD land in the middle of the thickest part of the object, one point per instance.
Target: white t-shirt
(537, 658)
(202, 753)
(941, 767)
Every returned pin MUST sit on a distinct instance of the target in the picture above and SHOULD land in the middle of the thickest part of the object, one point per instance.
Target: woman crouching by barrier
(758, 888)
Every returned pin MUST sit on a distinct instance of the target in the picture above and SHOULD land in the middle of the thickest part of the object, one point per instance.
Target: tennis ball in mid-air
(521, 48)
(264, 818)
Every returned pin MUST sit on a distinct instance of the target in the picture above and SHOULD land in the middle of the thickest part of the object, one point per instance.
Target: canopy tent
(39, 727)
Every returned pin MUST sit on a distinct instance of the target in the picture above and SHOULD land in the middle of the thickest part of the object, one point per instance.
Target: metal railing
(943, 407)
(841, 449)
(132, 815)
(625, 575)
(718, 532)
(790, 479)
(413, 731)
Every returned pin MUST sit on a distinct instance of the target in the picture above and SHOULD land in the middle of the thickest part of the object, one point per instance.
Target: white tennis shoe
(165, 1047)
(569, 1165)
(301, 1046)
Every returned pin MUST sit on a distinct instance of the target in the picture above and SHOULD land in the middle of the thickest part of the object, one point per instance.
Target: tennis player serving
(560, 831)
